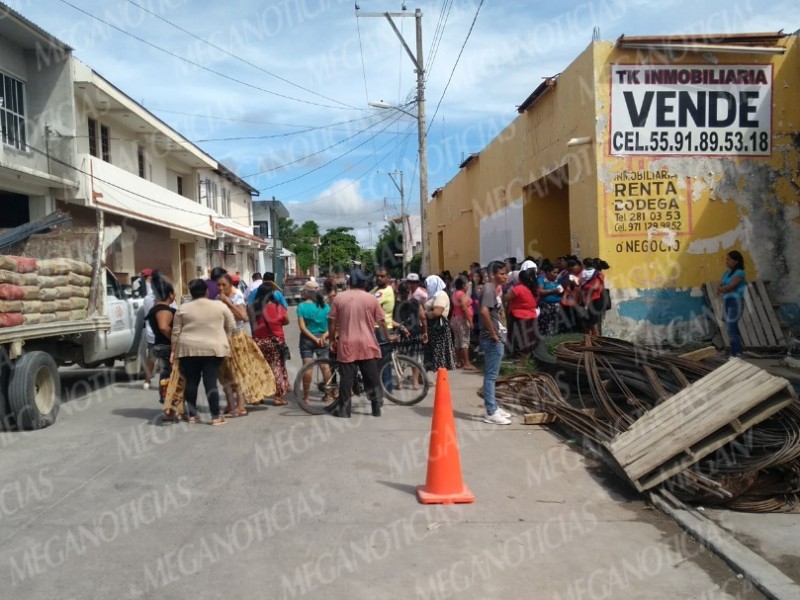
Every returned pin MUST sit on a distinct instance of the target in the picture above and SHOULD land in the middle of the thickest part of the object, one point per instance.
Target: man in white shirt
(418, 291)
(254, 285)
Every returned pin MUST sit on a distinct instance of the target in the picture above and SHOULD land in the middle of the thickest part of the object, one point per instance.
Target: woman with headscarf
(439, 353)
(244, 374)
(267, 318)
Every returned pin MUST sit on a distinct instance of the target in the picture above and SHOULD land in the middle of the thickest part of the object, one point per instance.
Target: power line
(302, 158)
(351, 167)
(198, 65)
(315, 169)
(240, 59)
(458, 58)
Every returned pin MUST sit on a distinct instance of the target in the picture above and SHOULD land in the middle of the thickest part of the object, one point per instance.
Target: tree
(368, 263)
(338, 249)
(415, 264)
(300, 240)
(390, 243)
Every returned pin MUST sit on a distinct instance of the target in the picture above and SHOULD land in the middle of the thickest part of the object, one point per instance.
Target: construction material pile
(713, 432)
(43, 291)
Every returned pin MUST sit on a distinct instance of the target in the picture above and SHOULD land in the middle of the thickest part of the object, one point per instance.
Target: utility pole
(406, 238)
(274, 222)
(423, 142)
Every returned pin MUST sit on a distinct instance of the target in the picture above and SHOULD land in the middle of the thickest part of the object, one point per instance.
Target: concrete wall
(530, 162)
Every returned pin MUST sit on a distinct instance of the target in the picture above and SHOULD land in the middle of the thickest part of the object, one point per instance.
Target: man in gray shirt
(493, 337)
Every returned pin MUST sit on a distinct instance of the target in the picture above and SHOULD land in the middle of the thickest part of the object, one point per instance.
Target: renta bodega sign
(684, 110)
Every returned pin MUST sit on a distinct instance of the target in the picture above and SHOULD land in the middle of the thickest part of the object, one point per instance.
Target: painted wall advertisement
(690, 110)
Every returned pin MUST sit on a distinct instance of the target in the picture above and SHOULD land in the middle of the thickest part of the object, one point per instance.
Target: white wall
(502, 234)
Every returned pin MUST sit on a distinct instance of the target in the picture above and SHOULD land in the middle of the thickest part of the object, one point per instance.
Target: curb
(767, 578)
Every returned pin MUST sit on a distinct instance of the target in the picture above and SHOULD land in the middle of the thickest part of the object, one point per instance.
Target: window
(104, 143)
(93, 138)
(12, 112)
(180, 185)
(226, 202)
(140, 158)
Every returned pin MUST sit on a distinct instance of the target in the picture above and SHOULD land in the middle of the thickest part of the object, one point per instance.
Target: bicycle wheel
(409, 383)
(316, 387)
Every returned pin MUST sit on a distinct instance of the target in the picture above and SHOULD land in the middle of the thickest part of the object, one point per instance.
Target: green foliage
(415, 264)
(368, 262)
(390, 242)
(338, 249)
(299, 239)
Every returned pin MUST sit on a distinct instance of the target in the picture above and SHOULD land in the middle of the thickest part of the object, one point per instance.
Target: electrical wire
(322, 166)
(452, 72)
(351, 167)
(198, 65)
(443, 19)
(239, 58)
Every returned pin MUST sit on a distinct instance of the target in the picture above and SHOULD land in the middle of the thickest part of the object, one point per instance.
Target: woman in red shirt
(522, 304)
(267, 318)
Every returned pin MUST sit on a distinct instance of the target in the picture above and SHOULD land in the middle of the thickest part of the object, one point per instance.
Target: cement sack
(11, 277)
(48, 294)
(79, 292)
(78, 279)
(31, 307)
(48, 306)
(10, 306)
(78, 303)
(18, 264)
(78, 315)
(11, 319)
(63, 266)
(64, 292)
(51, 281)
(31, 292)
(33, 318)
(63, 304)
(48, 317)
(63, 315)
(11, 292)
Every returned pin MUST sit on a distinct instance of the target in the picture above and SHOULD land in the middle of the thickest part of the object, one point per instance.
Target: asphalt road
(110, 503)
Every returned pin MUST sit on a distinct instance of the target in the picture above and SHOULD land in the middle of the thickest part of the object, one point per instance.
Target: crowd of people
(231, 334)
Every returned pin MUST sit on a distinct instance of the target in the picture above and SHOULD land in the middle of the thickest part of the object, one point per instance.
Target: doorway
(545, 215)
(440, 247)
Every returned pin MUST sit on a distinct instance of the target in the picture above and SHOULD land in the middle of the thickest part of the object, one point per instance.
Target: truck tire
(34, 391)
(6, 418)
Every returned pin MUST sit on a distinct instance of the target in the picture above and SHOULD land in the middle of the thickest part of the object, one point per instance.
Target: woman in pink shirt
(522, 304)
(461, 324)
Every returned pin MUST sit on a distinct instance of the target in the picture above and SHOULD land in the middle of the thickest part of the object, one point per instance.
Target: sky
(279, 90)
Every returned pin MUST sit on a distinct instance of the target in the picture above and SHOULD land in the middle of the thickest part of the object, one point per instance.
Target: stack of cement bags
(43, 291)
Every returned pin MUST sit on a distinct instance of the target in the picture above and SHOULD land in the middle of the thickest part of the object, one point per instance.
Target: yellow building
(659, 155)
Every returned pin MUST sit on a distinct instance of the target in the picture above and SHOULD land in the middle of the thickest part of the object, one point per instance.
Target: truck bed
(20, 333)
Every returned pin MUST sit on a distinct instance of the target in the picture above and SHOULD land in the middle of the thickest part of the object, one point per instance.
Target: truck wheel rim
(44, 391)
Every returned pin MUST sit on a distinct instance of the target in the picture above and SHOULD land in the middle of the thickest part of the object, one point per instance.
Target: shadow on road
(402, 487)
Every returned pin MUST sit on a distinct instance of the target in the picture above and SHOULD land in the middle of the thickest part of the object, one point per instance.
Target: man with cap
(353, 317)
(418, 291)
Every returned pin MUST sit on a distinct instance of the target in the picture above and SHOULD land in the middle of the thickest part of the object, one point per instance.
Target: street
(110, 503)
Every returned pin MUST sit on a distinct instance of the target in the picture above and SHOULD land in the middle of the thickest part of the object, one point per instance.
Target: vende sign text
(691, 109)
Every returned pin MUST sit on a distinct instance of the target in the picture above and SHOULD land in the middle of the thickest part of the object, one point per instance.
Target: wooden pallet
(758, 326)
(698, 420)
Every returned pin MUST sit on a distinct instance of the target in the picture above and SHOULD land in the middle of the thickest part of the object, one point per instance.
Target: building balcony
(118, 191)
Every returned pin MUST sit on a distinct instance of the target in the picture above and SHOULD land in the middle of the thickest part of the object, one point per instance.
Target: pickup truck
(30, 388)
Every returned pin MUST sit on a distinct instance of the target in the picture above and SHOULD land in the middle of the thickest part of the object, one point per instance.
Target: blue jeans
(733, 312)
(492, 355)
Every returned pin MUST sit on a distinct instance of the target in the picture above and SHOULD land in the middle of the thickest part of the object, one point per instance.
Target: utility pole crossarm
(403, 41)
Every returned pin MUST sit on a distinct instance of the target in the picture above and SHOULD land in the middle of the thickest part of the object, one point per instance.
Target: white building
(74, 141)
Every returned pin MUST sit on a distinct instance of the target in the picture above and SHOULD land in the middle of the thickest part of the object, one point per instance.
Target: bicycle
(320, 393)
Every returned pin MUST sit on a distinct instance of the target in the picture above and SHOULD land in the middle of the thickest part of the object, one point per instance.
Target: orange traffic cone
(443, 484)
